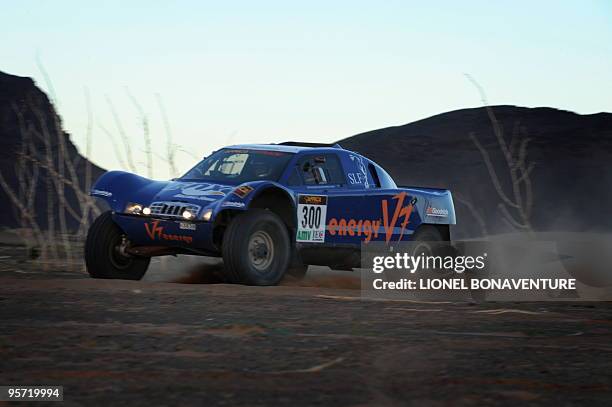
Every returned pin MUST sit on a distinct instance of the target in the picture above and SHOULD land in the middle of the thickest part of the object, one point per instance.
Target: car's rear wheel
(256, 248)
(427, 238)
(429, 241)
(105, 255)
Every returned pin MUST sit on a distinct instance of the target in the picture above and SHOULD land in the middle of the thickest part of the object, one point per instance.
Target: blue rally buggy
(267, 210)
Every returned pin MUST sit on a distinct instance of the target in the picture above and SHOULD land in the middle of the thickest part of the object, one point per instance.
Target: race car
(268, 210)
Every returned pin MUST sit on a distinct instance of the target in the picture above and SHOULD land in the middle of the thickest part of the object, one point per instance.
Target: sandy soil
(160, 341)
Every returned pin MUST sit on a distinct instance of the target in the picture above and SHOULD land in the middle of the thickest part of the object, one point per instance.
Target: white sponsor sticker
(312, 217)
(437, 212)
(187, 226)
(232, 204)
(101, 193)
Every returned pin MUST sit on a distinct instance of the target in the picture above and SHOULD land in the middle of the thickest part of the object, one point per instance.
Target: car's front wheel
(105, 255)
(256, 248)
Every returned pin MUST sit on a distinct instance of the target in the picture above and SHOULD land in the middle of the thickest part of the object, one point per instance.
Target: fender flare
(235, 203)
(117, 188)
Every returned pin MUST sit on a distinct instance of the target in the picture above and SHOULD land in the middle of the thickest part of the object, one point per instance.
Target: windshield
(234, 167)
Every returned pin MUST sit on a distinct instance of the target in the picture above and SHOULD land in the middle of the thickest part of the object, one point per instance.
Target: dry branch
(520, 198)
(124, 137)
(144, 119)
(170, 146)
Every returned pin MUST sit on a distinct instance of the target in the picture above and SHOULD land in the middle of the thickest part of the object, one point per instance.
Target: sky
(319, 71)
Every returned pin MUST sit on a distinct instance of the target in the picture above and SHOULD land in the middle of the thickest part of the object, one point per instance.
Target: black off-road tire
(439, 246)
(102, 258)
(245, 265)
(429, 241)
(427, 233)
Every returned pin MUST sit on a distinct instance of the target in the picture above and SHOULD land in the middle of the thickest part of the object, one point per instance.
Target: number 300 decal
(312, 212)
(311, 216)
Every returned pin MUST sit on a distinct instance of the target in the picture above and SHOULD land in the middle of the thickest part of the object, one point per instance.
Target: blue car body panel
(365, 206)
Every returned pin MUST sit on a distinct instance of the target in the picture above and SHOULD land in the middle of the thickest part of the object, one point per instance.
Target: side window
(374, 175)
(294, 178)
(324, 169)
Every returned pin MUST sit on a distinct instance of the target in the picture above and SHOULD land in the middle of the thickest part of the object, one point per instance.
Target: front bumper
(152, 231)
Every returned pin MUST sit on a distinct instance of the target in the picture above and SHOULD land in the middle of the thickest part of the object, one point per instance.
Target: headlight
(187, 215)
(207, 215)
(133, 208)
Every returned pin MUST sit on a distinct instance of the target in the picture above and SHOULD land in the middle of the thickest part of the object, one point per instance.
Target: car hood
(199, 193)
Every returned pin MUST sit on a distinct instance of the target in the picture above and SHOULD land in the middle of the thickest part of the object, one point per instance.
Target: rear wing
(305, 144)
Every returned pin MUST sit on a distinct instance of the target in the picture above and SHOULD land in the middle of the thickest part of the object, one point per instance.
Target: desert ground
(181, 338)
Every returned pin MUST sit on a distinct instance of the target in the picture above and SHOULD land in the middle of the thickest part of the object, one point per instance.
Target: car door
(323, 196)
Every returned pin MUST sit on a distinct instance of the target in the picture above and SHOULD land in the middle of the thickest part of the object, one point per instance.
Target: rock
(27, 117)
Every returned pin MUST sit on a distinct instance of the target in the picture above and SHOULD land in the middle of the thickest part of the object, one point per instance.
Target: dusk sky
(249, 72)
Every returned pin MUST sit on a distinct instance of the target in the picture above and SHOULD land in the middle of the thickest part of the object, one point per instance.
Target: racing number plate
(312, 217)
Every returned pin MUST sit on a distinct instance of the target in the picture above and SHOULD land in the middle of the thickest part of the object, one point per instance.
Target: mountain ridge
(41, 167)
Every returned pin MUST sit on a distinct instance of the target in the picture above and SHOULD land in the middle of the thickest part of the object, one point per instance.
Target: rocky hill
(566, 163)
(42, 175)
